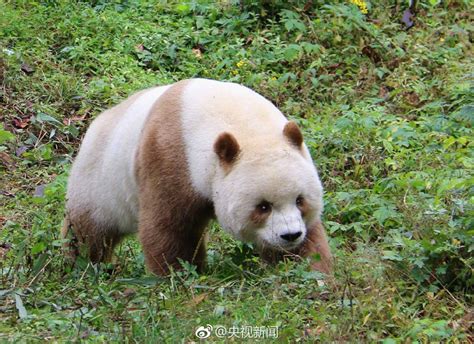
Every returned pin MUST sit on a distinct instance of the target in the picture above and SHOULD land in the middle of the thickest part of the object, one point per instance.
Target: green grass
(387, 114)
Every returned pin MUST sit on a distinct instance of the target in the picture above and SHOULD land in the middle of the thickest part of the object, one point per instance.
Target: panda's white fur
(104, 183)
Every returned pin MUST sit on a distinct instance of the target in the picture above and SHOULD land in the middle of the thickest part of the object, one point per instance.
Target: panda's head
(267, 195)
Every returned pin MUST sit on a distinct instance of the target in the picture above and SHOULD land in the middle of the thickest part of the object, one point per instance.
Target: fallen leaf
(308, 5)
(313, 332)
(334, 66)
(19, 306)
(197, 299)
(4, 248)
(383, 92)
(26, 68)
(20, 123)
(371, 53)
(392, 64)
(129, 292)
(6, 160)
(197, 53)
(85, 334)
(6, 193)
(70, 120)
(39, 191)
(406, 19)
(366, 318)
(412, 98)
(319, 295)
(20, 150)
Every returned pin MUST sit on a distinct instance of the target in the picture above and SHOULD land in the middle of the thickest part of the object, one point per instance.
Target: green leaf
(389, 341)
(384, 213)
(291, 52)
(391, 255)
(46, 152)
(5, 135)
(387, 145)
(39, 264)
(466, 114)
(42, 117)
(183, 8)
(38, 247)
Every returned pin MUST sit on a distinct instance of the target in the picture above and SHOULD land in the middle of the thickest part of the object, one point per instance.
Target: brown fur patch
(304, 208)
(293, 134)
(316, 242)
(172, 216)
(83, 232)
(258, 217)
(227, 149)
(70, 248)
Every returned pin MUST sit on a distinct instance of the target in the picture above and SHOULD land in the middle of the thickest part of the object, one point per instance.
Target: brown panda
(168, 159)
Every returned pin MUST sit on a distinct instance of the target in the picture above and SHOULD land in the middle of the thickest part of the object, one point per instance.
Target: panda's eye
(299, 201)
(264, 207)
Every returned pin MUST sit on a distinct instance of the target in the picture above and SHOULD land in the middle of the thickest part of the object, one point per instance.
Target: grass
(387, 114)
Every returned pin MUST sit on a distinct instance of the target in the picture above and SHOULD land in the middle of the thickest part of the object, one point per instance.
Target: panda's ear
(227, 148)
(293, 134)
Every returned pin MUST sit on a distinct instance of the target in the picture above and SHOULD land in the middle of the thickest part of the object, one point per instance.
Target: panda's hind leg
(83, 234)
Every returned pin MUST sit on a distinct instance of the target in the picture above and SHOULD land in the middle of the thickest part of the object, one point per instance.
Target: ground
(386, 111)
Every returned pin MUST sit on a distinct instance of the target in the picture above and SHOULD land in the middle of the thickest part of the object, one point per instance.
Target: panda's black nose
(291, 236)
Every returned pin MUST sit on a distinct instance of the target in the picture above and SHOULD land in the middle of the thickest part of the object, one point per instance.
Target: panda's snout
(291, 236)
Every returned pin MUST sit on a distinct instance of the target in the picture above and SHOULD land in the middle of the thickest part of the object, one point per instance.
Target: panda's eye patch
(300, 201)
(264, 207)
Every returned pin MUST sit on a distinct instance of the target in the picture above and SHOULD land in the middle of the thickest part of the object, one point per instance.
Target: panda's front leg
(316, 242)
(168, 236)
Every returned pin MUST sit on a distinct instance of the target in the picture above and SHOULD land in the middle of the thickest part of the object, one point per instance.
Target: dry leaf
(70, 120)
(26, 68)
(197, 299)
(197, 53)
(20, 123)
(6, 160)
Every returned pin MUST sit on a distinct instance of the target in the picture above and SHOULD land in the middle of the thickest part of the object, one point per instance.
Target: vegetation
(387, 114)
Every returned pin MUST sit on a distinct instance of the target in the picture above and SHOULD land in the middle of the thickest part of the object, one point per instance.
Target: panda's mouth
(287, 247)
(291, 247)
